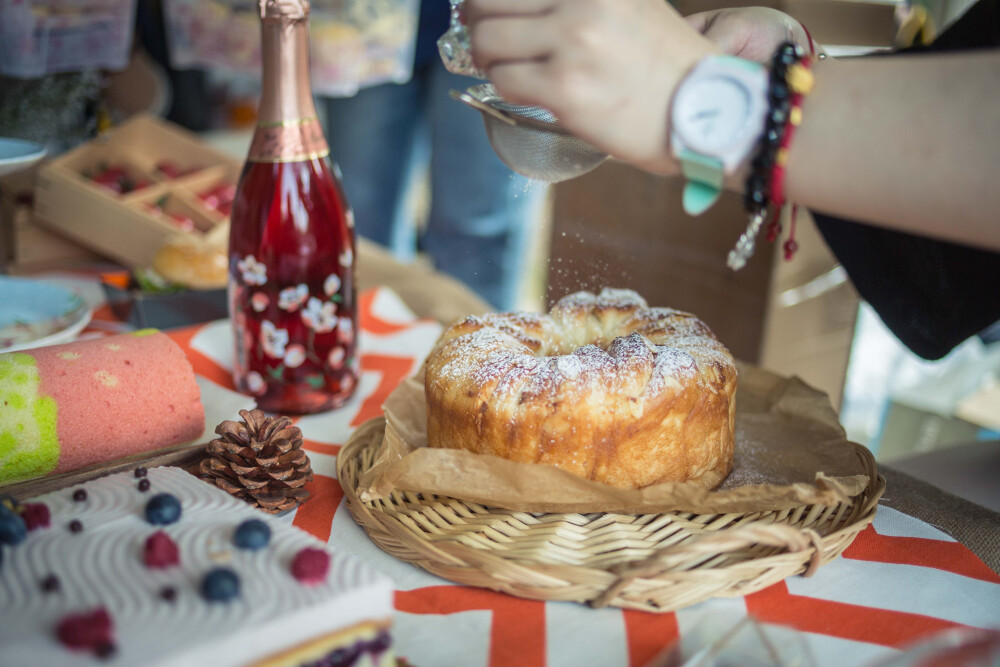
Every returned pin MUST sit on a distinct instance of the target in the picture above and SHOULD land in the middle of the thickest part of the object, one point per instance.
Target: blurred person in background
(386, 136)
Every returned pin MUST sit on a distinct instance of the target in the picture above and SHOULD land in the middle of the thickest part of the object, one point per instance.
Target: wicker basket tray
(651, 562)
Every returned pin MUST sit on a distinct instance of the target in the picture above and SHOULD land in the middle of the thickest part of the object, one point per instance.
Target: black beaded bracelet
(758, 182)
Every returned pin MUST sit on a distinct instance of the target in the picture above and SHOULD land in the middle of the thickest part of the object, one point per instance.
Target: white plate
(17, 154)
(35, 313)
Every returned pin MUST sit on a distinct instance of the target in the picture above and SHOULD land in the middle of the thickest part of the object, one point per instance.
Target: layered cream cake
(165, 570)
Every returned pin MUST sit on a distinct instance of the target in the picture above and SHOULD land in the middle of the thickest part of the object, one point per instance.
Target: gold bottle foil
(291, 9)
(287, 128)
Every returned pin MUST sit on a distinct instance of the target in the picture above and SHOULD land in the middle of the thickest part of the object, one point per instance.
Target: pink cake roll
(69, 406)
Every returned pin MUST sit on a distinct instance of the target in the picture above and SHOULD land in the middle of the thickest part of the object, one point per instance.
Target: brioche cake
(602, 386)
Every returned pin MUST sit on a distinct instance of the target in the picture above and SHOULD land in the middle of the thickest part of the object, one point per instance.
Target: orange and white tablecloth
(899, 582)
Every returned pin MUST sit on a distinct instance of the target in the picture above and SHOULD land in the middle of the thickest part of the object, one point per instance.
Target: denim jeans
(480, 210)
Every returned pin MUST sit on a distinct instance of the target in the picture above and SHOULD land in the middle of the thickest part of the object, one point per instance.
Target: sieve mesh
(531, 150)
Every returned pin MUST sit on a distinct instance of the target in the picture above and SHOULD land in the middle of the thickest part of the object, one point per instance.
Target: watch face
(711, 113)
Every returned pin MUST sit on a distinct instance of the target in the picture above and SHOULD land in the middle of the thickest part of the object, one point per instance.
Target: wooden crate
(24, 245)
(126, 227)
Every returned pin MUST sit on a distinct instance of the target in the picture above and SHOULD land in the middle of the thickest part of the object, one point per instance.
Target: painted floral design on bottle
(291, 298)
(254, 273)
(319, 316)
(294, 334)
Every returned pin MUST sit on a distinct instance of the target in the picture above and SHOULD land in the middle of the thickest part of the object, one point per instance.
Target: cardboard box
(132, 226)
(839, 22)
(811, 314)
(621, 227)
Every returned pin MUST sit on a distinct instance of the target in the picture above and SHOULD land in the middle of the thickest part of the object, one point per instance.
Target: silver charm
(455, 47)
(743, 251)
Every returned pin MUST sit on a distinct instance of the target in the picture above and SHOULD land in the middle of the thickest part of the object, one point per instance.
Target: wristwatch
(716, 119)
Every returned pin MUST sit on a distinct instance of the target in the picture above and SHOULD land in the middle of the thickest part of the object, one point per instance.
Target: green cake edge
(29, 442)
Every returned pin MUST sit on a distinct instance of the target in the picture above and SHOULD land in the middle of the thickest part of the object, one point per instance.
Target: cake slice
(179, 573)
(69, 406)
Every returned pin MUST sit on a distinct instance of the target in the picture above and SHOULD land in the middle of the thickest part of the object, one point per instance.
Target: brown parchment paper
(790, 451)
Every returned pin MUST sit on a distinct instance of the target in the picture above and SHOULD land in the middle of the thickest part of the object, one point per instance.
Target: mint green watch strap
(748, 65)
(704, 181)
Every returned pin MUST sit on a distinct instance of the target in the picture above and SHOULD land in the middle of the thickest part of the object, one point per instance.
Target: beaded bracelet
(790, 81)
(800, 82)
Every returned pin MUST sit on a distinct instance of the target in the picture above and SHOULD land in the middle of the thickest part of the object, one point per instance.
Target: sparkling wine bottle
(291, 244)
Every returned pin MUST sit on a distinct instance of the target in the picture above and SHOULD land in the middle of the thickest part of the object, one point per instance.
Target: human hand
(753, 33)
(606, 68)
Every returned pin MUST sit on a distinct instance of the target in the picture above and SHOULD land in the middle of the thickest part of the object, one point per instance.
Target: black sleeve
(932, 294)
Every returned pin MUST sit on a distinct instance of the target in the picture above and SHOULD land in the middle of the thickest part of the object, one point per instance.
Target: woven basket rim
(654, 562)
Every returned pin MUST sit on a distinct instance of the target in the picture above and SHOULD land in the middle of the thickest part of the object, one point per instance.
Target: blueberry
(12, 528)
(381, 642)
(220, 585)
(252, 534)
(140, 472)
(143, 485)
(105, 650)
(50, 584)
(163, 509)
(79, 495)
(344, 657)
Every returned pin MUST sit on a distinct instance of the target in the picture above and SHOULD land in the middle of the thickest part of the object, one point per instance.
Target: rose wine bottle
(291, 244)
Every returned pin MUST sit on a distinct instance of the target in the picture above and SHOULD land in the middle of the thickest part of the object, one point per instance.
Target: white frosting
(103, 566)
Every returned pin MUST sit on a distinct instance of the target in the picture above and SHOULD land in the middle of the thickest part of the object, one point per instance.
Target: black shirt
(932, 294)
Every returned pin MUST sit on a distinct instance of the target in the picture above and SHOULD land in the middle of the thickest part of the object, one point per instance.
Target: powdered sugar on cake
(663, 345)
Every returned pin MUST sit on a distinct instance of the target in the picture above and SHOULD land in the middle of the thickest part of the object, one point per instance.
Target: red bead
(773, 231)
(790, 247)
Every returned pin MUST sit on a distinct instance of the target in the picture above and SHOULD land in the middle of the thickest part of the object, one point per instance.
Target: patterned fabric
(899, 582)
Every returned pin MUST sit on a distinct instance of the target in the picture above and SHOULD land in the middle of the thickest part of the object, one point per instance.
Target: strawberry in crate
(219, 197)
(158, 209)
(115, 178)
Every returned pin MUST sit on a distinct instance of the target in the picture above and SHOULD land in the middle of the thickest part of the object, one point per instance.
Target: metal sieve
(529, 139)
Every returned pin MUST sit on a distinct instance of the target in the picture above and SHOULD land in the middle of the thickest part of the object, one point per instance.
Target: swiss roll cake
(70, 406)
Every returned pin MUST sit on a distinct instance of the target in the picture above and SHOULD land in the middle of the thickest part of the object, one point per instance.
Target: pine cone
(259, 461)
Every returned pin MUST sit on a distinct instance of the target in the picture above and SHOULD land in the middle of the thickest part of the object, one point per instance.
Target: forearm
(910, 143)
(906, 142)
